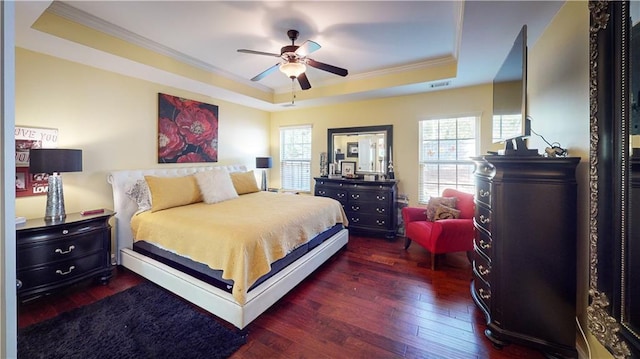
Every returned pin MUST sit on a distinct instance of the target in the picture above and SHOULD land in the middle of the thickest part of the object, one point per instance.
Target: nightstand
(52, 255)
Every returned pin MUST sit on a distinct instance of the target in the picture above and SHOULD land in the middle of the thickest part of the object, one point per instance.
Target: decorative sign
(31, 184)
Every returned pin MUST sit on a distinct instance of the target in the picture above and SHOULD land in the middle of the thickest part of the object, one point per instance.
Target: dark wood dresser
(524, 267)
(370, 206)
(51, 255)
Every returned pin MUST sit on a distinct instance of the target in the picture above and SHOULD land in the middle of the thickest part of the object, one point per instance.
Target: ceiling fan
(295, 60)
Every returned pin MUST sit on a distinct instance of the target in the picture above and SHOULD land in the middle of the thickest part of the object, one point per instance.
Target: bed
(246, 298)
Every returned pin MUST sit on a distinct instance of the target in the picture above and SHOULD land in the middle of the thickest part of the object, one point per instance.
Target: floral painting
(187, 130)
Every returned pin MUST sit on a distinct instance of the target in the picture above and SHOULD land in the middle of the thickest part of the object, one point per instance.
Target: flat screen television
(510, 93)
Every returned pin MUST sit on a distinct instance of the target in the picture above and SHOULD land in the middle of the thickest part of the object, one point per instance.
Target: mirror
(370, 147)
(614, 237)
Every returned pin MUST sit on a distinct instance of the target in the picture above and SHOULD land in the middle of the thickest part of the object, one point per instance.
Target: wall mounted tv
(510, 93)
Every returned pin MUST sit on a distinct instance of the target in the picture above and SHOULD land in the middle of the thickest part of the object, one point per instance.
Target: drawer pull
(355, 208)
(381, 198)
(484, 193)
(484, 220)
(67, 272)
(71, 248)
(482, 270)
(65, 231)
(340, 195)
(322, 193)
(380, 210)
(484, 245)
(484, 295)
(380, 222)
(355, 196)
(355, 220)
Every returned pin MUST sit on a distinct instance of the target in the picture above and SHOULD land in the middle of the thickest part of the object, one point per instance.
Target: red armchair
(445, 235)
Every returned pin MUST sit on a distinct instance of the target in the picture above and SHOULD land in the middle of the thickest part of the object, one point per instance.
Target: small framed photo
(348, 168)
(352, 149)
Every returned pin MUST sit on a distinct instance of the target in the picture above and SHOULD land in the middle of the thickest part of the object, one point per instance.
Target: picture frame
(352, 149)
(348, 168)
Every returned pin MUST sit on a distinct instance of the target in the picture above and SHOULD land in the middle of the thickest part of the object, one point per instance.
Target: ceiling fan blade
(258, 52)
(304, 81)
(266, 72)
(330, 68)
(307, 47)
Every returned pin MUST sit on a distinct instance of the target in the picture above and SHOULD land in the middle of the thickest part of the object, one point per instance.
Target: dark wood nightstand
(52, 255)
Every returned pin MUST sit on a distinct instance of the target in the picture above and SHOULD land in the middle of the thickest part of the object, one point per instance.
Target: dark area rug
(145, 321)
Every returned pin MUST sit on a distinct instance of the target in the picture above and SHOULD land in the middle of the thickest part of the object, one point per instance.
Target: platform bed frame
(200, 293)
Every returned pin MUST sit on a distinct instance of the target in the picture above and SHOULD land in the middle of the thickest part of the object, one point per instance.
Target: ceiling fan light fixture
(293, 69)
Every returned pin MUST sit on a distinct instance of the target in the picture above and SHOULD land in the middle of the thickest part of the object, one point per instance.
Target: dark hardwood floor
(372, 300)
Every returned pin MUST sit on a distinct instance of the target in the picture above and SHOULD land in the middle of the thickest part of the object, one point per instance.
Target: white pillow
(216, 185)
(139, 193)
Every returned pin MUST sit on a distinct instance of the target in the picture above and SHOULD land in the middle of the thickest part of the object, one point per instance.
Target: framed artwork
(352, 149)
(26, 138)
(187, 130)
(348, 168)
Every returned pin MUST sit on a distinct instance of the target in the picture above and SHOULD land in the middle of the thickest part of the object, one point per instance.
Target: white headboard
(125, 208)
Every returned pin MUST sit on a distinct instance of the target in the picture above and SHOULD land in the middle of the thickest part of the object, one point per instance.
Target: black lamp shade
(50, 160)
(263, 162)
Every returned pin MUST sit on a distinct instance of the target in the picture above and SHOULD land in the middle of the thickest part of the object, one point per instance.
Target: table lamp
(264, 163)
(53, 161)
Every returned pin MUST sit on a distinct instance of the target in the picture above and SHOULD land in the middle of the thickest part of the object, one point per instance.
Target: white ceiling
(369, 38)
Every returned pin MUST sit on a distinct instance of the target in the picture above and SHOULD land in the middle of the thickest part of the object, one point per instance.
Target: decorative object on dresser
(52, 161)
(524, 266)
(26, 138)
(53, 255)
(264, 163)
(440, 228)
(370, 206)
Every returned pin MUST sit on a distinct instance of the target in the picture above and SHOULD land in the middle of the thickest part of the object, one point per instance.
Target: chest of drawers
(51, 255)
(524, 264)
(370, 206)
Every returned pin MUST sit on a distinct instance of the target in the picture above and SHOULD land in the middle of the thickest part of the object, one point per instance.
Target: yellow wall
(403, 112)
(113, 119)
(558, 101)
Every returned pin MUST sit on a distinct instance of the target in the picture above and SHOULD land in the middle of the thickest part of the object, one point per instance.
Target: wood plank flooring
(371, 300)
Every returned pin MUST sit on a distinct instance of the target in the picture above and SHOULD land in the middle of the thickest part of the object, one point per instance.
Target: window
(446, 148)
(295, 158)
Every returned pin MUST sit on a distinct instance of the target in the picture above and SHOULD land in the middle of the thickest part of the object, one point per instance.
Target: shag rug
(145, 321)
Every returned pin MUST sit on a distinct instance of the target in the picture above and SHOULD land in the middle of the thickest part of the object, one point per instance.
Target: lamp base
(55, 200)
(264, 180)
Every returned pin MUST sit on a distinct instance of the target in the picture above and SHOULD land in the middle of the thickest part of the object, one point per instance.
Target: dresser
(52, 255)
(524, 266)
(370, 206)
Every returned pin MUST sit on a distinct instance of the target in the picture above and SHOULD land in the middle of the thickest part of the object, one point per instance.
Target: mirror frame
(609, 177)
(388, 129)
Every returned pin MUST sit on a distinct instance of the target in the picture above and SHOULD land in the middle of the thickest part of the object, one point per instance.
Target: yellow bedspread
(242, 236)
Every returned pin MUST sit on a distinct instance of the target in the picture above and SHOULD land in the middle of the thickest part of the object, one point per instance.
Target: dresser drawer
(59, 273)
(482, 293)
(371, 221)
(57, 232)
(332, 192)
(359, 196)
(57, 250)
(368, 208)
(483, 218)
(483, 192)
(482, 268)
(482, 243)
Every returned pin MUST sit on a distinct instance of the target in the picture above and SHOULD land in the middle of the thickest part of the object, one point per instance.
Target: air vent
(436, 85)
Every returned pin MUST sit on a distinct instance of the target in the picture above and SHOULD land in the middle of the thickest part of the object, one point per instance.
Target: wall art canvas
(26, 138)
(187, 130)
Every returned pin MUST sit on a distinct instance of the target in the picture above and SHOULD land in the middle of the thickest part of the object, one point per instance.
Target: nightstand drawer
(59, 250)
(59, 273)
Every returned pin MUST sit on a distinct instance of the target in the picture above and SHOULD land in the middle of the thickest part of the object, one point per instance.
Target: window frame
(460, 183)
(304, 183)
